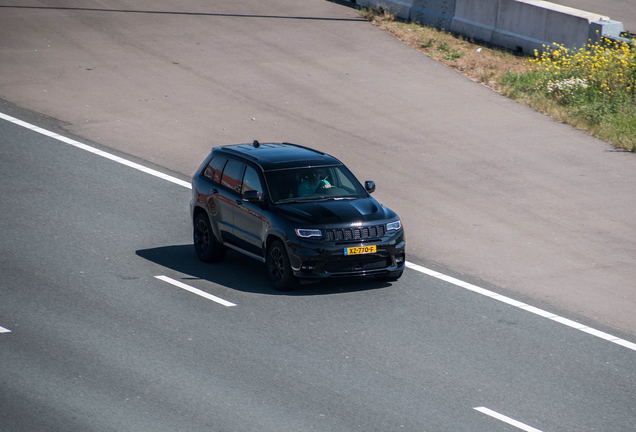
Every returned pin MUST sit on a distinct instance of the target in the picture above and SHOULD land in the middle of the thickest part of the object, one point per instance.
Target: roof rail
(236, 152)
(303, 147)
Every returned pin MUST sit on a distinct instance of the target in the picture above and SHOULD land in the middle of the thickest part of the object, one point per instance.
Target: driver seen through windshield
(313, 183)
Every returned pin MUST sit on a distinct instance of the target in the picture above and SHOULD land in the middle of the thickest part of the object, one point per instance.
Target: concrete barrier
(525, 25)
(475, 19)
(400, 8)
(608, 29)
(529, 24)
(435, 13)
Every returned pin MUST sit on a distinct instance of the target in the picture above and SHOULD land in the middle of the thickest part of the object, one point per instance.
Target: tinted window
(251, 180)
(343, 180)
(311, 184)
(232, 175)
(214, 169)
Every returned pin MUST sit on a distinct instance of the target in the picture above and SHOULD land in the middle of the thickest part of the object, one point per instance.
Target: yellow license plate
(358, 250)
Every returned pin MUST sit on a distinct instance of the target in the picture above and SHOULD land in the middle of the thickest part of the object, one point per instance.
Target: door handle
(214, 191)
(238, 202)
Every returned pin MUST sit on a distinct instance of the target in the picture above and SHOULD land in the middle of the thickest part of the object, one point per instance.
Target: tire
(391, 277)
(278, 267)
(206, 246)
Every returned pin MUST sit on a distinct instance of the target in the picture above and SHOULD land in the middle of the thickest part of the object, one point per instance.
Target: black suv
(298, 210)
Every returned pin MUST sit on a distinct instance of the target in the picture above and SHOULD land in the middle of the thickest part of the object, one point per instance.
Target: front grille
(355, 233)
(357, 265)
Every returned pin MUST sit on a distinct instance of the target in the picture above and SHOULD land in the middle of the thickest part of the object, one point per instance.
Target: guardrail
(522, 25)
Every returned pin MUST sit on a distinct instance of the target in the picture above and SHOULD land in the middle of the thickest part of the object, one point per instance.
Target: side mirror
(369, 185)
(252, 196)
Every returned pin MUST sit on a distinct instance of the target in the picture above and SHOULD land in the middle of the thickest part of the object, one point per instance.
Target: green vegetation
(592, 88)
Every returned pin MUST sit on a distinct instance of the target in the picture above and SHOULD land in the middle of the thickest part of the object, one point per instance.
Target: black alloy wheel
(207, 248)
(278, 267)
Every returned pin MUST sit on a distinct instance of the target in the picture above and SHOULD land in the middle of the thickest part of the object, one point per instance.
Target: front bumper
(323, 259)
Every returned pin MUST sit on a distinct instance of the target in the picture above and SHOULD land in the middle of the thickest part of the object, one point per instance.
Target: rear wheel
(207, 248)
(278, 267)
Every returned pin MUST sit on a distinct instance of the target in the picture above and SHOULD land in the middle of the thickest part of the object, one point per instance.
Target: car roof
(275, 156)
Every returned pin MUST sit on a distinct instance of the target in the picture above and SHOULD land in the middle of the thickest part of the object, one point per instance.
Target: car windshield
(309, 184)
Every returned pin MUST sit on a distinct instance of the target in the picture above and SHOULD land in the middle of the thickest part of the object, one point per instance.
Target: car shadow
(242, 273)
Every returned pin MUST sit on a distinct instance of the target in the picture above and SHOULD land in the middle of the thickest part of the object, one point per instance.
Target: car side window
(232, 175)
(214, 169)
(251, 181)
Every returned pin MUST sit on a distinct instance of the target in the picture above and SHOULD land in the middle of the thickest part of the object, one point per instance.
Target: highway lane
(617, 10)
(489, 188)
(97, 342)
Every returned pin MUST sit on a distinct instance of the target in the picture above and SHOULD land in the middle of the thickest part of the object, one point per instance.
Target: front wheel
(278, 267)
(207, 248)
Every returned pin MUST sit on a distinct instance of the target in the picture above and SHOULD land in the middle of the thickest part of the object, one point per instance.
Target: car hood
(336, 212)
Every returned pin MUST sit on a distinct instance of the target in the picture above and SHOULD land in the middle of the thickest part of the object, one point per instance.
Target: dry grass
(510, 74)
(479, 62)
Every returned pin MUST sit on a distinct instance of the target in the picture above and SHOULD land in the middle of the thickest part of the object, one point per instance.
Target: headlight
(307, 233)
(393, 226)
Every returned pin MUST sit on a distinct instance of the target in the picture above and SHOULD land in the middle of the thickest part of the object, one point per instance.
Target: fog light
(399, 259)
(400, 245)
(308, 267)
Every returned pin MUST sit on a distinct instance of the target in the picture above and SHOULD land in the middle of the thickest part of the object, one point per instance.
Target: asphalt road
(617, 10)
(98, 343)
(488, 190)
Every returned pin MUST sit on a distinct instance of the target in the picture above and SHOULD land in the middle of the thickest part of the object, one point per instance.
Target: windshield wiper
(316, 200)
(333, 199)
(293, 202)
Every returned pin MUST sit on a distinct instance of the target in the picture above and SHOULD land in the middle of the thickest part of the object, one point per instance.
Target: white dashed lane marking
(505, 419)
(4, 330)
(196, 291)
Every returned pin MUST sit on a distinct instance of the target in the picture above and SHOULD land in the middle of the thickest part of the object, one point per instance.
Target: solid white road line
(503, 418)
(521, 305)
(449, 279)
(195, 291)
(96, 151)
(4, 330)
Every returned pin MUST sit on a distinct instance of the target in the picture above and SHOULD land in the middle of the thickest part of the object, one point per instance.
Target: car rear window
(214, 169)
